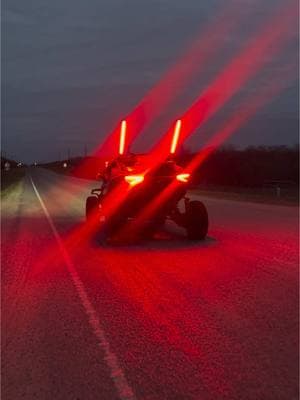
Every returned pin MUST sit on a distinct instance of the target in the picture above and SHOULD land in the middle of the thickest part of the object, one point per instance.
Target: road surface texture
(163, 319)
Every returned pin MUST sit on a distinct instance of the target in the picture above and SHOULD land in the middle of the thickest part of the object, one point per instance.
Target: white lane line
(125, 392)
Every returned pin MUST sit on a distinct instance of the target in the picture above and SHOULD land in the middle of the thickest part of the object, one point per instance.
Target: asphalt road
(163, 319)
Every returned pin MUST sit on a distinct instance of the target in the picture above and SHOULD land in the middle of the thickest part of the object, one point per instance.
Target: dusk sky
(72, 69)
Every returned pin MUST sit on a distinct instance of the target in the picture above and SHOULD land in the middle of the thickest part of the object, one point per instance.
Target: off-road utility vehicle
(149, 196)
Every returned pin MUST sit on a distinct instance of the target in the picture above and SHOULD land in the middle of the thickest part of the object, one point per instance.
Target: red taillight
(134, 179)
(183, 177)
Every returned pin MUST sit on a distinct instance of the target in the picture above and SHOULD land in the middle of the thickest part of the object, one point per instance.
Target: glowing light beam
(247, 110)
(257, 53)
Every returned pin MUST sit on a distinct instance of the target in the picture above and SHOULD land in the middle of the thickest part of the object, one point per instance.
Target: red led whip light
(175, 137)
(122, 137)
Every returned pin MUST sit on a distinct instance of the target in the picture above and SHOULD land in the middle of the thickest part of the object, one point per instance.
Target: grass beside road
(10, 178)
(288, 198)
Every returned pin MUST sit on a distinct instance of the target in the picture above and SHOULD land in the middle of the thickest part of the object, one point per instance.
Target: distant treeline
(227, 166)
(250, 167)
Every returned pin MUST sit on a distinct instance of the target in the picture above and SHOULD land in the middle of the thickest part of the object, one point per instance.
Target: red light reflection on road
(175, 320)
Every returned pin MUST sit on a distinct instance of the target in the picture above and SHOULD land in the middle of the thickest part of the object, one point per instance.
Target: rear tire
(91, 207)
(196, 220)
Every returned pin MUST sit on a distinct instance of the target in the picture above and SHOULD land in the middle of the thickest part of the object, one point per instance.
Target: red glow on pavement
(91, 227)
(182, 299)
(122, 137)
(160, 303)
(175, 137)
